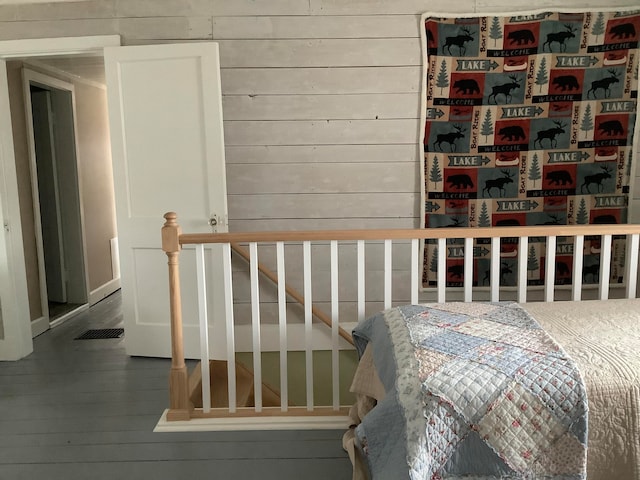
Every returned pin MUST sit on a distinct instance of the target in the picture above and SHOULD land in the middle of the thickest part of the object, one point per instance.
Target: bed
(602, 338)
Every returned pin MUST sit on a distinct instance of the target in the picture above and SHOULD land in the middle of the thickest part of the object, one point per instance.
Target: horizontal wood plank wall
(321, 131)
(321, 98)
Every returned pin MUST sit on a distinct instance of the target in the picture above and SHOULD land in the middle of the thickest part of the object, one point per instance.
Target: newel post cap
(171, 232)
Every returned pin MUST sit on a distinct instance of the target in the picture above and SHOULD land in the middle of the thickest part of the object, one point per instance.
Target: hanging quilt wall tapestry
(529, 119)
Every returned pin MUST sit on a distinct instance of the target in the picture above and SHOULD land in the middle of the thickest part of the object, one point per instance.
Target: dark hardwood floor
(84, 410)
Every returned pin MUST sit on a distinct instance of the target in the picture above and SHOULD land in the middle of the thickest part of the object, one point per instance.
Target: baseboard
(104, 291)
(63, 318)
(308, 422)
(38, 326)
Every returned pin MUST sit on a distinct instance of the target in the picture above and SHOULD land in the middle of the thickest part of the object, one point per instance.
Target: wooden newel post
(179, 404)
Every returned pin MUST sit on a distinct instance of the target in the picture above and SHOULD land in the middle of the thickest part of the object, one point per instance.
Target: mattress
(603, 338)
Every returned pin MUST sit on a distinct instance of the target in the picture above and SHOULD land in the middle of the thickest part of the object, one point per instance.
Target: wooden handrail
(407, 234)
(292, 292)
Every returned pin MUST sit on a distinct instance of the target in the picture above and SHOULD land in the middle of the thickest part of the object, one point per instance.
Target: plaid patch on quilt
(479, 390)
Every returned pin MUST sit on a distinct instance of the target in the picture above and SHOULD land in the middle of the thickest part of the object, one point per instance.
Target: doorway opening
(49, 105)
(16, 340)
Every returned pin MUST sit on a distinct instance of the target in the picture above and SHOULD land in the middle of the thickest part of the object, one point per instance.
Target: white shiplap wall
(320, 97)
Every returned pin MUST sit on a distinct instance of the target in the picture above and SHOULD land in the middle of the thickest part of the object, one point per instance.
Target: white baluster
(228, 307)
(523, 256)
(255, 326)
(495, 269)
(388, 271)
(204, 327)
(361, 285)
(282, 323)
(442, 270)
(335, 371)
(550, 269)
(468, 269)
(415, 275)
(578, 257)
(308, 319)
(631, 271)
(605, 266)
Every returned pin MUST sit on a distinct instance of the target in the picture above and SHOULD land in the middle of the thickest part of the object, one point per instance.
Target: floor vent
(101, 333)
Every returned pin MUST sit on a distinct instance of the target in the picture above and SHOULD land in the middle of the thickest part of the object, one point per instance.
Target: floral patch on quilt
(507, 385)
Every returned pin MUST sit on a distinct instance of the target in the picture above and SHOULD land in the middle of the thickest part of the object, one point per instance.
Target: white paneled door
(15, 324)
(168, 155)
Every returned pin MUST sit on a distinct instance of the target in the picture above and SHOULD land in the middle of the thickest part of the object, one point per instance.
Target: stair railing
(291, 292)
(173, 239)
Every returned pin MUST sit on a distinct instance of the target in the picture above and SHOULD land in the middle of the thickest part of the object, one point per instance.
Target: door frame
(17, 341)
(30, 77)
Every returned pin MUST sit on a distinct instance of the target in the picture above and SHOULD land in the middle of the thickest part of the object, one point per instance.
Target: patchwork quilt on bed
(474, 390)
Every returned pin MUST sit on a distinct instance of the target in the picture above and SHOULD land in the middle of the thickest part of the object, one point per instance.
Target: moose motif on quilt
(529, 120)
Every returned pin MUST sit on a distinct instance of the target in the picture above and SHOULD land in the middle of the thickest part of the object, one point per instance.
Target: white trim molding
(38, 47)
(104, 291)
(303, 422)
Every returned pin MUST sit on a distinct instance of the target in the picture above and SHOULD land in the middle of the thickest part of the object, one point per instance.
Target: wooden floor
(82, 409)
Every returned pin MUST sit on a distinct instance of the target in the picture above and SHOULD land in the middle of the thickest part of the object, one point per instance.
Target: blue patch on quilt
(472, 386)
(500, 356)
(552, 380)
(453, 343)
